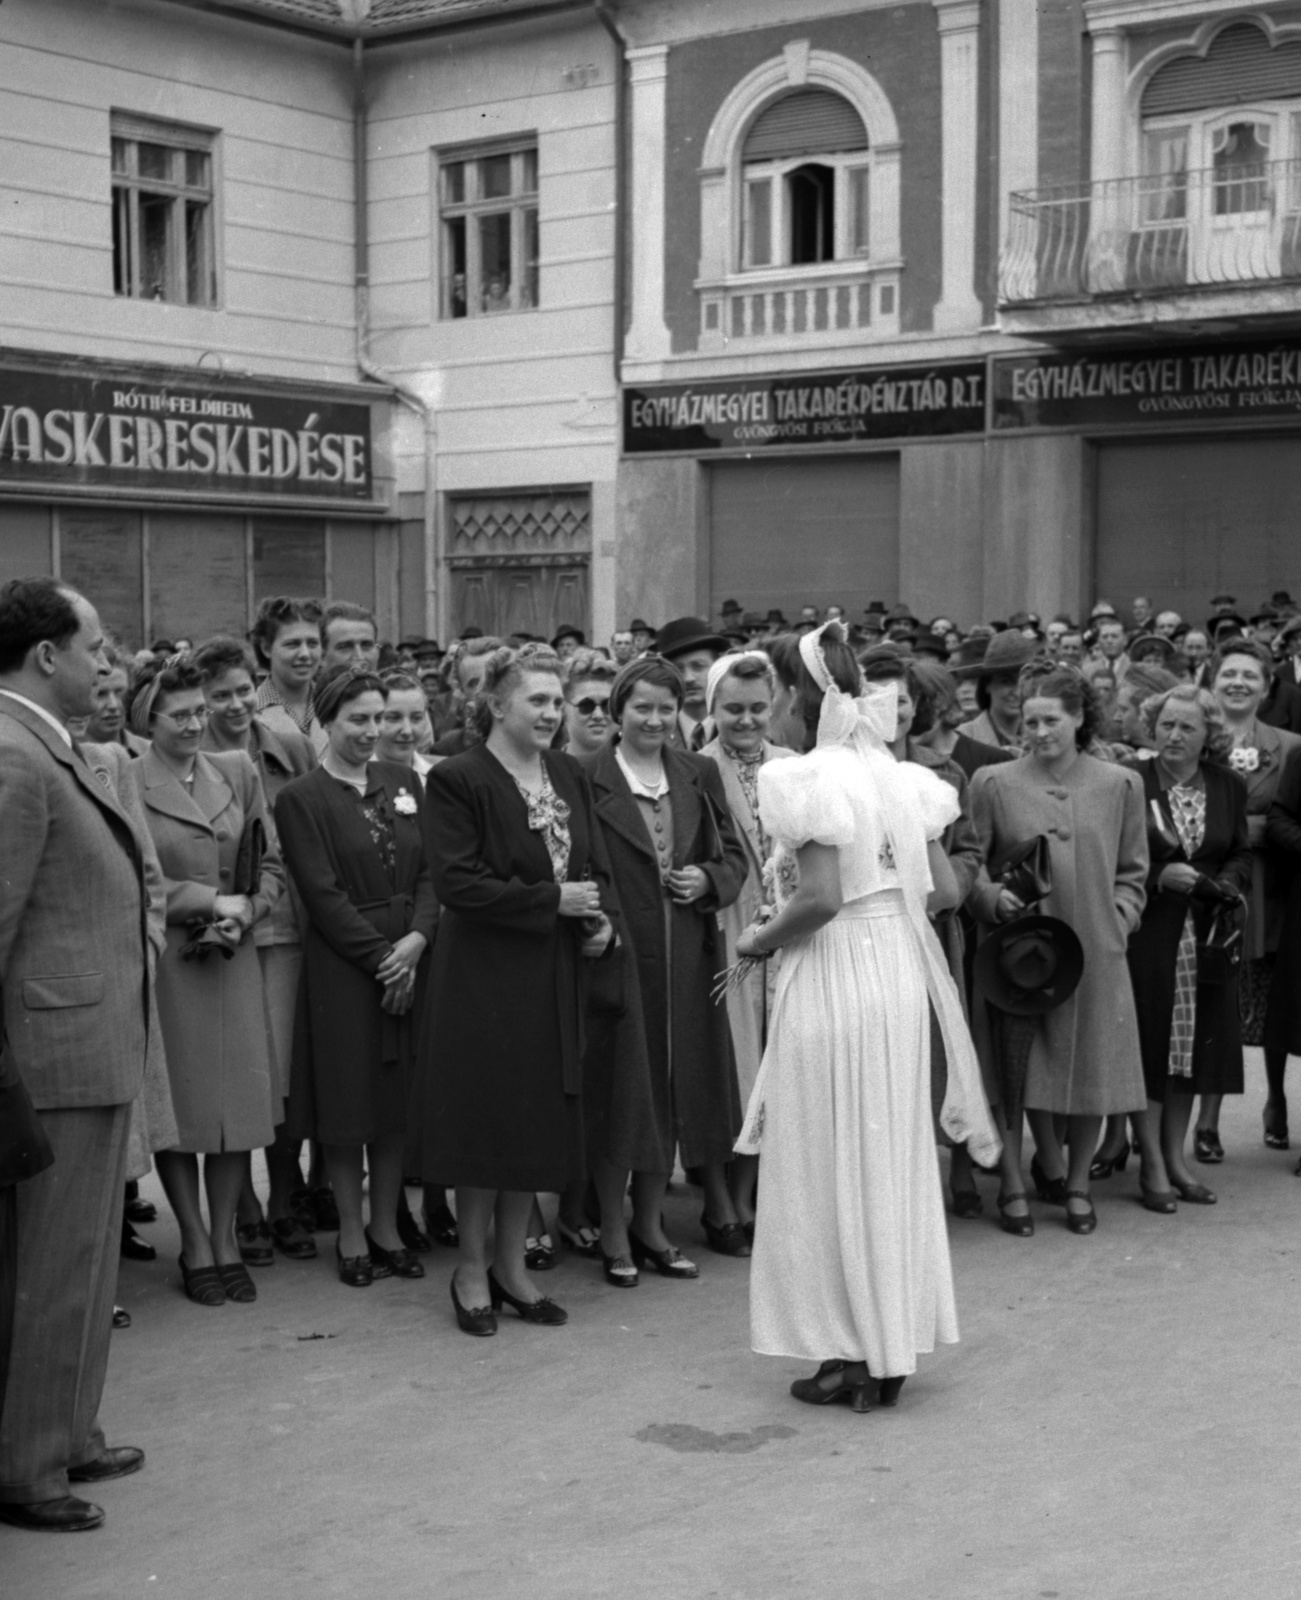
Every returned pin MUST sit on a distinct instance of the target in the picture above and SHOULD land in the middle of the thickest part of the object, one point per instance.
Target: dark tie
(698, 737)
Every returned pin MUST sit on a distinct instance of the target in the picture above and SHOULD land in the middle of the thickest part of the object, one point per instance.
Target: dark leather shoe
(545, 1313)
(442, 1226)
(203, 1285)
(293, 1240)
(68, 1515)
(412, 1235)
(357, 1272)
(118, 1461)
(121, 1317)
(393, 1263)
(134, 1248)
(481, 1321)
(239, 1287)
(140, 1212)
(727, 1239)
(254, 1241)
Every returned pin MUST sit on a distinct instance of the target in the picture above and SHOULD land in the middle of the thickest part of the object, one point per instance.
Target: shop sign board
(73, 430)
(809, 409)
(1190, 383)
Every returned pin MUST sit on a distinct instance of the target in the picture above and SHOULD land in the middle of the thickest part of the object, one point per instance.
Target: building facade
(517, 313)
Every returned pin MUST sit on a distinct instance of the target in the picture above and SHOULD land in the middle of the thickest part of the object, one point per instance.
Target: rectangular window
(758, 223)
(163, 246)
(488, 205)
(859, 210)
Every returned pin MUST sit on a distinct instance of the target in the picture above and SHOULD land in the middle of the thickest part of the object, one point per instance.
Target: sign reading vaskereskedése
(1233, 382)
(72, 429)
(813, 408)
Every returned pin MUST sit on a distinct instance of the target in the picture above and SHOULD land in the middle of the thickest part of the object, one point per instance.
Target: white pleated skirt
(851, 1254)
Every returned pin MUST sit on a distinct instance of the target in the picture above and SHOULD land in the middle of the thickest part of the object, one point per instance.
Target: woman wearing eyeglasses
(200, 807)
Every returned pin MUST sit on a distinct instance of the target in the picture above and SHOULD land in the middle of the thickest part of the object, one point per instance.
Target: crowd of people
(447, 934)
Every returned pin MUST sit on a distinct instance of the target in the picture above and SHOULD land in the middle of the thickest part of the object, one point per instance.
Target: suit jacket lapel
(615, 805)
(103, 793)
(210, 791)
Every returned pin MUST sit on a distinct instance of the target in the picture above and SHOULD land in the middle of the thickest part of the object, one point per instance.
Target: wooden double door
(533, 595)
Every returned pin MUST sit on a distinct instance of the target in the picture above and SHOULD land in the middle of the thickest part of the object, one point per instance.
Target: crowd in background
(442, 932)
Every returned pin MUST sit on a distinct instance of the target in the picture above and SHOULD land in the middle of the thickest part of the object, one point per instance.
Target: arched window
(805, 168)
(799, 205)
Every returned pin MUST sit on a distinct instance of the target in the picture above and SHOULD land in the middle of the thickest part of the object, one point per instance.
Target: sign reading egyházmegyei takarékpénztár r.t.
(1209, 382)
(811, 409)
(71, 429)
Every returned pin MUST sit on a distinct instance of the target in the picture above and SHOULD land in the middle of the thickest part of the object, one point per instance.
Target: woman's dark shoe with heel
(1207, 1147)
(545, 1313)
(1196, 1194)
(620, 1271)
(1104, 1166)
(384, 1263)
(357, 1272)
(835, 1381)
(480, 1321)
(670, 1263)
(239, 1287)
(1052, 1191)
(726, 1238)
(967, 1204)
(888, 1393)
(1019, 1227)
(1080, 1221)
(1162, 1201)
(203, 1285)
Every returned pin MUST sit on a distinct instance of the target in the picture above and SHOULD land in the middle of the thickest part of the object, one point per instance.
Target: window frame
(846, 165)
(127, 185)
(518, 204)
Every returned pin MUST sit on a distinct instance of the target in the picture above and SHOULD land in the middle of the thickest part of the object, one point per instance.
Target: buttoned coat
(212, 1011)
(501, 1058)
(350, 1081)
(1085, 1059)
(747, 1005)
(153, 1121)
(1223, 856)
(663, 1073)
(1270, 870)
(73, 922)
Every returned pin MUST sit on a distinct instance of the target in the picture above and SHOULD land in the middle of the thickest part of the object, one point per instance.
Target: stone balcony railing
(791, 306)
(1150, 236)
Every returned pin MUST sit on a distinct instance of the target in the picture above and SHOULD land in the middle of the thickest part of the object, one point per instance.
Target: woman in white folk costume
(851, 1260)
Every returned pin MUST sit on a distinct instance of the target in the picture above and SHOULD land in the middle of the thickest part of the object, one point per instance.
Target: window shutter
(809, 122)
(1239, 68)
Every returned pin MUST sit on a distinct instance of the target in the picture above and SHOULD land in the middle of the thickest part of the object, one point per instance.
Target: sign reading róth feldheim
(814, 409)
(72, 429)
(1186, 383)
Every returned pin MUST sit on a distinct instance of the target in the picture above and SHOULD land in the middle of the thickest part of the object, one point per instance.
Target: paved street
(1122, 1419)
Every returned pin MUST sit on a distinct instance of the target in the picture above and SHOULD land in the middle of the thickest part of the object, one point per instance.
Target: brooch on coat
(1245, 758)
(405, 804)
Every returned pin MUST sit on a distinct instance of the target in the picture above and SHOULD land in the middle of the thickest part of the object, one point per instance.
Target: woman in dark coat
(519, 873)
(665, 1071)
(1189, 1033)
(352, 838)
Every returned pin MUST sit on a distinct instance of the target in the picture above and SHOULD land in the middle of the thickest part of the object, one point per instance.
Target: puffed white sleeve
(801, 802)
(937, 802)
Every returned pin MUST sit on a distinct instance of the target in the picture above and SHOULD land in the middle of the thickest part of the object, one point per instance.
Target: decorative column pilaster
(959, 307)
(648, 334)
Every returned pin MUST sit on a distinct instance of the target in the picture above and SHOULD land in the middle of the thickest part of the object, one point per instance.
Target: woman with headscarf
(851, 1258)
(739, 695)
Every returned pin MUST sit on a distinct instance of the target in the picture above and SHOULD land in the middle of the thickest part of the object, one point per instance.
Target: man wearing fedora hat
(998, 692)
(567, 640)
(643, 636)
(692, 646)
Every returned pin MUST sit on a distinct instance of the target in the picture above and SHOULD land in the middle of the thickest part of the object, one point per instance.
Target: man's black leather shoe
(68, 1515)
(116, 1462)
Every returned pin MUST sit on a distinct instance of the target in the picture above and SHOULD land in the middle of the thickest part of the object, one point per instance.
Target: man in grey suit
(74, 970)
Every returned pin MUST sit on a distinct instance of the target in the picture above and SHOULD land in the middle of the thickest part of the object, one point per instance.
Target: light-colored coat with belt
(748, 1005)
(214, 1023)
(1085, 1057)
(73, 936)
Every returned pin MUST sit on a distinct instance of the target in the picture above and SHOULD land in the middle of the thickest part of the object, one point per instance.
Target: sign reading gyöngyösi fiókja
(1185, 383)
(813, 408)
(72, 429)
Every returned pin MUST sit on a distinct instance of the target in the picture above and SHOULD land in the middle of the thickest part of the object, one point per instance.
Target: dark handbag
(1026, 870)
(248, 860)
(1219, 951)
(711, 829)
